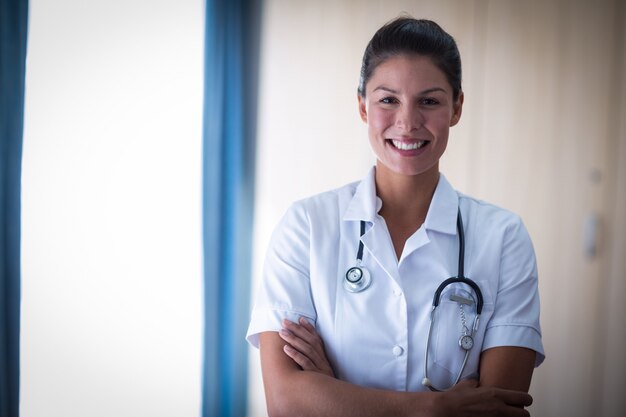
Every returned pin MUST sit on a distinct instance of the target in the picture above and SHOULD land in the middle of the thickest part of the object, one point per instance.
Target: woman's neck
(406, 199)
(404, 194)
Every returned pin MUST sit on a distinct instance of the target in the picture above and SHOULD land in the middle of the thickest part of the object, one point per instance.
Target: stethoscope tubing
(460, 278)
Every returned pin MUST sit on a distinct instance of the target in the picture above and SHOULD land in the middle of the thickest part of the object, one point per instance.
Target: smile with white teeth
(408, 146)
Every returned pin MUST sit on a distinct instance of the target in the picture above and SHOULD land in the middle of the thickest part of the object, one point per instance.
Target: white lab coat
(377, 338)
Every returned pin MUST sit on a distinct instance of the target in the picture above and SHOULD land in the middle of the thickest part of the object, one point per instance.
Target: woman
(344, 316)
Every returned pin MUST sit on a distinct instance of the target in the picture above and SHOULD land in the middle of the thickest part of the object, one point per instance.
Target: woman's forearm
(292, 392)
(313, 394)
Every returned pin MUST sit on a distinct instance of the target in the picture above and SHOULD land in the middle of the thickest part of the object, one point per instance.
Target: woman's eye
(388, 100)
(430, 101)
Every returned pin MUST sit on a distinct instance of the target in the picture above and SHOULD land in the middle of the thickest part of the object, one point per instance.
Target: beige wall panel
(541, 142)
(613, 307)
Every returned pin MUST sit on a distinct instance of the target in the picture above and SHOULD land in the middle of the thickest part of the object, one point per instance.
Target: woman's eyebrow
(433, 90)
(421, 93)
(387, 89)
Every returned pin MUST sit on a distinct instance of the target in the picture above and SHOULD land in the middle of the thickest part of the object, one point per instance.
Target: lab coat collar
(441, 217)
(443, 208)
(365, 204)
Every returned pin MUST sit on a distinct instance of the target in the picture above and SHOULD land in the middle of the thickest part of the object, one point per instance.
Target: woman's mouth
(408, 146)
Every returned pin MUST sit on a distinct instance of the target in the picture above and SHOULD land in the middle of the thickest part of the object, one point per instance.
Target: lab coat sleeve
(515, 321)
(284, 291)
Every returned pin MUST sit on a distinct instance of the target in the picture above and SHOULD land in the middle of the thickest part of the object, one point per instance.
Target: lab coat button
(397, 292)
(397, 350)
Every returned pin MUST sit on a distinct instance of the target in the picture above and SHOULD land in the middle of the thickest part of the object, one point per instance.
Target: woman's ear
(362, 107)
(457, 109)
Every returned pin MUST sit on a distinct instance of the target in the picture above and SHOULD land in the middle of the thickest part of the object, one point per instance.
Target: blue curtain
(231, 67)
(13, 27)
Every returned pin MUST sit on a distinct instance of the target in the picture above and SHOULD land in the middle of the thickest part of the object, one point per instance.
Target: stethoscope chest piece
(357, 279)
(466, 342)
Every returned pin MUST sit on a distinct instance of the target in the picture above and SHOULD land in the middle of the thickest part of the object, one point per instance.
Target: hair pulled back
(405, 35)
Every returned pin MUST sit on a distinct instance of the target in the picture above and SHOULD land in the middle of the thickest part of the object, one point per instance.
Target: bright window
(111, 238)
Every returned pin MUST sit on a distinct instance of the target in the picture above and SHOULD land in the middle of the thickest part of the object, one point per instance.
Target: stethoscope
(358, 279)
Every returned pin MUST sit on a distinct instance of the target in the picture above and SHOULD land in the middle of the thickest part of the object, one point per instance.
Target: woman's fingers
(302, 360)
(305, 347)
(515, 398)
(509, 397)
(304, 330)
(472, 400)
(307, 340)
(300, 343)
(302, 352)
(307, 325)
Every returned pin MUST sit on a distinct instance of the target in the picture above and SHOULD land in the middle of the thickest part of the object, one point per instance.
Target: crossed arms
(299, 381)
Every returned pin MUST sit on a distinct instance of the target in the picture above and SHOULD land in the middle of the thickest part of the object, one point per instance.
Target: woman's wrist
(421, 404)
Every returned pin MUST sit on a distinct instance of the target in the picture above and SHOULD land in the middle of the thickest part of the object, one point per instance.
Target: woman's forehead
(401, 72)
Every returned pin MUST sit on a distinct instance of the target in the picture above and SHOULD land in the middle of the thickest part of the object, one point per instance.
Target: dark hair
(405, 35)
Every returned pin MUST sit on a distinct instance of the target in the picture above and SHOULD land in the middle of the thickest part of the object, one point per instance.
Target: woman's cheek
(379, 121)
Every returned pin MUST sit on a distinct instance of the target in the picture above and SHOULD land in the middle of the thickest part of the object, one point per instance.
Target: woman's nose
(409, 119)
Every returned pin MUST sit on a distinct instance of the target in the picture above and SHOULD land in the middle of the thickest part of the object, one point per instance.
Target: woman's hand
(468, 399)
(305, 346)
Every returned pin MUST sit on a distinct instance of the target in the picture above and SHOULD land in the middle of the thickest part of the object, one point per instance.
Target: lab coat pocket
(454, 318)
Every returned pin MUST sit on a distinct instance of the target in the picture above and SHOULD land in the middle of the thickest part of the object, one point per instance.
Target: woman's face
(409, 109)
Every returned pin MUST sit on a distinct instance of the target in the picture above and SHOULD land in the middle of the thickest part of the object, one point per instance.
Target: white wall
(112, 273)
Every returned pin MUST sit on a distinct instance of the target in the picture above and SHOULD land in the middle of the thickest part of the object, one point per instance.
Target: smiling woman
(522, 142)
(413, 231)
(409, 108)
